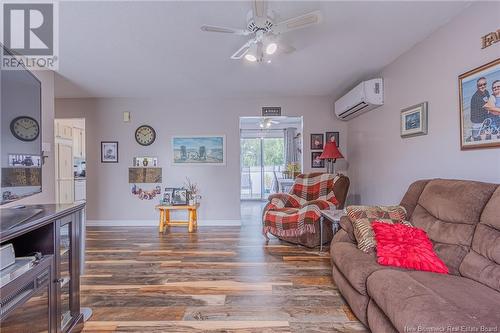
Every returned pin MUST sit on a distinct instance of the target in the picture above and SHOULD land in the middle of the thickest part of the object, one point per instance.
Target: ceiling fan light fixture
(271, 48)
(250, 57)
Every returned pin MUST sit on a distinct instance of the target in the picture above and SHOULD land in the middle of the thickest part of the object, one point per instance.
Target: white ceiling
(136, 49)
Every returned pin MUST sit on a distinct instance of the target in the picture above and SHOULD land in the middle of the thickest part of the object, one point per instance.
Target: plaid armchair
(294, 216)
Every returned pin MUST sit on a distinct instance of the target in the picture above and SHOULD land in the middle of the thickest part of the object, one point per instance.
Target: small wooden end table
(192, 222)
(333, 216)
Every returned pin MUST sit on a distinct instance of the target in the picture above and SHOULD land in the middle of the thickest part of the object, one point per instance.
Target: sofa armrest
(341, 236)
(321, 204)
(282, 200)
(347, 227)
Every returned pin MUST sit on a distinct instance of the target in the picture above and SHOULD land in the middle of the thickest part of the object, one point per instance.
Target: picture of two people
(480, 106)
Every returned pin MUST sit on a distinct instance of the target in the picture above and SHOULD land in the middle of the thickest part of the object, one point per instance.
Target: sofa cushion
(363, 216)
(449, 210)
(354, 264)
(408, 247)
(414, 299)
(482, 263)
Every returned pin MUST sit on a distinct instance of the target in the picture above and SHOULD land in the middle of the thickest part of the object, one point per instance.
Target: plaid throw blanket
(294, 213)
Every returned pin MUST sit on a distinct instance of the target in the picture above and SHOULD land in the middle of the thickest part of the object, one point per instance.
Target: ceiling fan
(267, 123)
(264, 32)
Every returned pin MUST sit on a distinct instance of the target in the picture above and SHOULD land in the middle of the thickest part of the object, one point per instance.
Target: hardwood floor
(218, 279)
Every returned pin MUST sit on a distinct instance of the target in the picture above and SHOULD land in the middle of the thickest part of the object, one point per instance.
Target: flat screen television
(21, 132)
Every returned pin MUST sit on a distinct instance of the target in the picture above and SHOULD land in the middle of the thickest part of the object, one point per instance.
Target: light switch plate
(126, 116)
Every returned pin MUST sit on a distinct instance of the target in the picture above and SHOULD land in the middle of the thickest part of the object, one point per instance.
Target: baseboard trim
(154, 223)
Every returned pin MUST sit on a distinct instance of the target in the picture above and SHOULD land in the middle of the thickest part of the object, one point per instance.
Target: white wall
(382, 164)
(108, 190)
(48, 177)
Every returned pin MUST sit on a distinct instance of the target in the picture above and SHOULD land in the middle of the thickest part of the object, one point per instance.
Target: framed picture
(414, 120)
(179, 197)
(204, 150)
(479, 100)
(330, 136)
(317, 141)
(168, 195)
(109, 151)
(316, 162)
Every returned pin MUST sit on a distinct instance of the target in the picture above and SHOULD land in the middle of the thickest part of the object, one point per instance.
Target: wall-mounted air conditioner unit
(366, 96)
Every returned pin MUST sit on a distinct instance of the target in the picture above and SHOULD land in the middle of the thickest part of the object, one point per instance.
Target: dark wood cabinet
(67, 271)
(56, 234)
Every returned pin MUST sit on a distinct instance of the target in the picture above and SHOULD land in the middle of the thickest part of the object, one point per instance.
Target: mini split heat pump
(366, 96)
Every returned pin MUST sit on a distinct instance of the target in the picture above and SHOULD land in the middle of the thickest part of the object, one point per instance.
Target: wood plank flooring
(219, 279)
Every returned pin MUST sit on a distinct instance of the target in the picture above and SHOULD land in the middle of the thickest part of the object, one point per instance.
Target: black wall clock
(145, 135)
(25, 128)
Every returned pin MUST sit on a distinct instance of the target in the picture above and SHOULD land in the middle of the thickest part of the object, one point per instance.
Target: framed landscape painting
(203, 150)
(414, 120)
(479, 93)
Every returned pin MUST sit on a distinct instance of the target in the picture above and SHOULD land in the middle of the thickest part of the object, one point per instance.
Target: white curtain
(291, 153)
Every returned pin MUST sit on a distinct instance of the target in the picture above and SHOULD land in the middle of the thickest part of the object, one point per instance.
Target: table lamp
(330, 154)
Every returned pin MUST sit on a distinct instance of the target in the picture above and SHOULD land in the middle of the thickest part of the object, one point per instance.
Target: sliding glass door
(261, 159)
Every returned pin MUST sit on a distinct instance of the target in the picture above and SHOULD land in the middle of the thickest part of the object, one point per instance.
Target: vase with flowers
(193, 191)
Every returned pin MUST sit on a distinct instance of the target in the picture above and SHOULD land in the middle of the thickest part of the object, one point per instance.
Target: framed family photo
(316, 162)
(317, 141)
(109, 151)
(333, 136)
(414, 120)
(479, 100)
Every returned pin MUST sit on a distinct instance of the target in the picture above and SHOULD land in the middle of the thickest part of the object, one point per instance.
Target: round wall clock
(145, 135)
(25, 128)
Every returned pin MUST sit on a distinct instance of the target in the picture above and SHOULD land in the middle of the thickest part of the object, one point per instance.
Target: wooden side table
(165, 221)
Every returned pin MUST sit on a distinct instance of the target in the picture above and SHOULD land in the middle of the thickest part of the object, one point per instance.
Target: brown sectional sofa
(462, 218)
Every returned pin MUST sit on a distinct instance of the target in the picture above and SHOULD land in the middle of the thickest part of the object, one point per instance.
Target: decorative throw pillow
(362, 217)
(408, 247)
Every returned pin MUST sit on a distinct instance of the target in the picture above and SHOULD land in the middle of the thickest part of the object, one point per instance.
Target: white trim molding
(154, 223)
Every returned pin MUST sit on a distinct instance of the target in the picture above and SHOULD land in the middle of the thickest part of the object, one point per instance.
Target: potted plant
(193, 190)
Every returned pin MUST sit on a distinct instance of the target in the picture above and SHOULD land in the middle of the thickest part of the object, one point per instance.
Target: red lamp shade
(331, 151)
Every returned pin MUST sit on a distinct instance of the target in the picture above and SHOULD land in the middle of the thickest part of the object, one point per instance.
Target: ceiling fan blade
(298, 22)
(213, 28)
(285, 48)
(241, 51)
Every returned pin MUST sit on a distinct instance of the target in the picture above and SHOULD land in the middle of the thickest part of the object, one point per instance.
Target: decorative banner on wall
(144, 161)
(16, 177)
(23, 160)
(145, 194)
(144, 175)
(490, 39)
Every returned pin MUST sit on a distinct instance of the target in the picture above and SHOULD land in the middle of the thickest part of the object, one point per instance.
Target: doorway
(267, 147)
(70, 160)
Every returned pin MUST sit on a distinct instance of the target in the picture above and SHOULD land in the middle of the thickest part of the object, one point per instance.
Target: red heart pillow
(408, 247)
